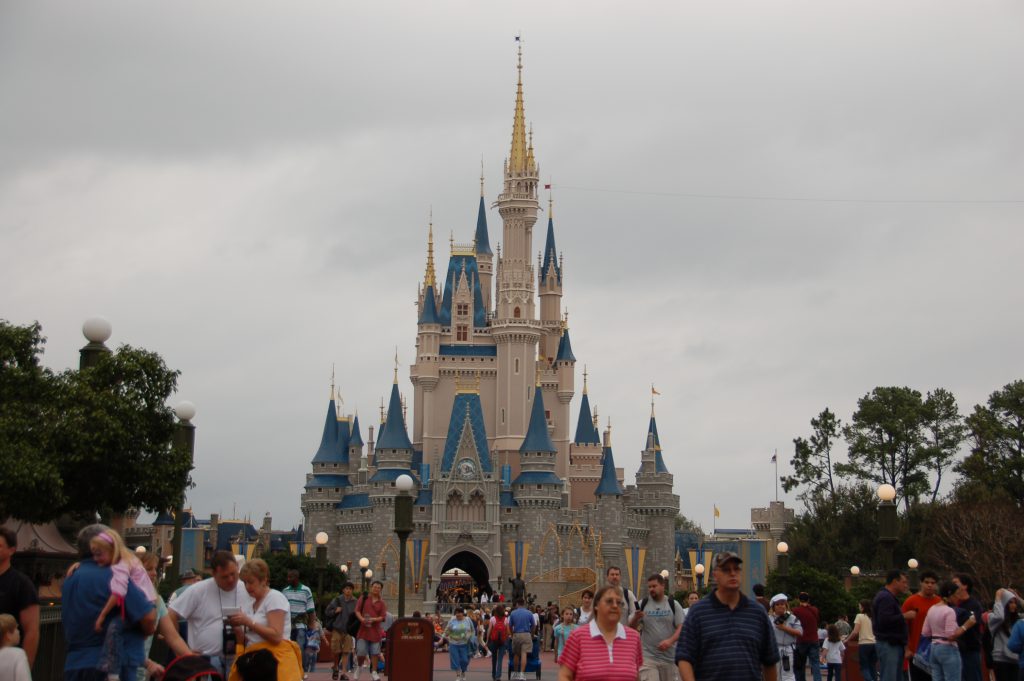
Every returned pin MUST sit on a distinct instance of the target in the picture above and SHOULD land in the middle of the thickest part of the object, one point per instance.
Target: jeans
(806, 654)
(835, 671)
(945, 662)
(299, 636)
(309, 656)
(497, 657)
(458, 654)
(890, 660)
(971, 665)
(868, 659)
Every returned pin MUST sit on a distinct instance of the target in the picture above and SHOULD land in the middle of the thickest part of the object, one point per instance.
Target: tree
(812, 458)
(684, 524)
(885, 442)
(826, 592)
(996, 431)
(944, 432)
(82, 442)
(836, 531)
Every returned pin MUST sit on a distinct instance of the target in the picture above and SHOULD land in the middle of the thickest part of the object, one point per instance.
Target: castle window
(516, 363)
(461, 332)
(547, 414)
(462, 308)
(516, 313)
(503, 415)
(540, 486)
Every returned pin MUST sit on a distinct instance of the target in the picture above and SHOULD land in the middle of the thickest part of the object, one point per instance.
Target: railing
(49, 664)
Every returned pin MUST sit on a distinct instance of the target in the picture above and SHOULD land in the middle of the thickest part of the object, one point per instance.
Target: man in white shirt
(206, 604)
(613, 576)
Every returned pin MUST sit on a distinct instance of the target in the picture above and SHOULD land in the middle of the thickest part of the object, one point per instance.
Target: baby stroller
(191, 668)
(532, 660)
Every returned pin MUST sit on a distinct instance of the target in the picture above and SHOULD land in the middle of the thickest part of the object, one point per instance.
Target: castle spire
(517, 156)
(430, 278)
(609, 484)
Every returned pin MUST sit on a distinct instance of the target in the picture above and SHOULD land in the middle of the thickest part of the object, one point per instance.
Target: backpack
(257, 665)
(353, 622)
(499, 630)
(671, 603)
(189, 667)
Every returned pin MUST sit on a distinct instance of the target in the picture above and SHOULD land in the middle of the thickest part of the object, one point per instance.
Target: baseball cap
(777, 598)
(723, 557)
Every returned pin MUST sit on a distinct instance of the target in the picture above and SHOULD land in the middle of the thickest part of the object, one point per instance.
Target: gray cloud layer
(245, 189)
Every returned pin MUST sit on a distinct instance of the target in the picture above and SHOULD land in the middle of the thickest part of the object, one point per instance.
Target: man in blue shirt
(890, 626)
(727, 636)
(522, 624)
(85, 593)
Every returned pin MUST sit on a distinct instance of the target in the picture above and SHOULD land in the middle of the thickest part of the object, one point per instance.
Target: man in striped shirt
(727, 636)
(302, 609)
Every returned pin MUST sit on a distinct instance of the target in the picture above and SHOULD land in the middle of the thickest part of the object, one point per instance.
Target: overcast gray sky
(245, 188)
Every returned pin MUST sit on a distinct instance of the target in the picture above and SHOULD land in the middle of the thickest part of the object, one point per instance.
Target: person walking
(339, 613)
(940, 625)
(808, 645)
(890, 626)
(915, 609)
(371, 613)
(1005, 613)
(727, 636)
(498, 637)
(864, 634)
(604, 649)
(659, 620)
(585, 612)
(566, 625)
(970, 643)
(18, 595)
(205, 605)
(523, 628)
(302, 607)
(459, 631)
(832, 652)
(787, 633)
(613, 576)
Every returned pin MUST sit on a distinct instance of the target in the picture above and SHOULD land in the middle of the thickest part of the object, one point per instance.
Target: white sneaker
(356, 673)
(374, 675)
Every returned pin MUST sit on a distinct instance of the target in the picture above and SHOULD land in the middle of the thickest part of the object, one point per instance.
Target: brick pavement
(479, 670)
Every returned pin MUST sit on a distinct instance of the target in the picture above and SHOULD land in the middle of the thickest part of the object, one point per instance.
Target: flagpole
(776, 460)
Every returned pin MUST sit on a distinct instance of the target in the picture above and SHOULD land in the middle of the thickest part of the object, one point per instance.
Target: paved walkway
(479, 670)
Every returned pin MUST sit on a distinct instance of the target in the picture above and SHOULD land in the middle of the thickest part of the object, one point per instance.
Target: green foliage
(996, 461)
(812, 458)
(944, 432)
(686, 525)
(334, 580)
(864, 589)
(837, 531)
(826, 592)
(886, 442)
(81, 442)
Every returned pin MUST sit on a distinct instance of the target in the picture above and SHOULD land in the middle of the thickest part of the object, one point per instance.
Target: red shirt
(808, 616)
(371, 608)
(591, 659)
(922, 605)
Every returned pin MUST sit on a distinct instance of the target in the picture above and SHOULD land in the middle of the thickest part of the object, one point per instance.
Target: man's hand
(98, 626)
(665, 645)
(154, 669)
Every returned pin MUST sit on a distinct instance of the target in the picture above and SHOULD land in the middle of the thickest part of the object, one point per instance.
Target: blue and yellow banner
(635, 557)
(418, 552)
(520, 552)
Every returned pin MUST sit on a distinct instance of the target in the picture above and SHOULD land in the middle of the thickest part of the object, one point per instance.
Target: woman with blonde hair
(263, 623)
(13, 661)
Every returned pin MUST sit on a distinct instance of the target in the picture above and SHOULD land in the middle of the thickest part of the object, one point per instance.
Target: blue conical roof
(609, 484)
(550, 254)
(429, 315)
(537, 438)
(586, 432)
(659, 461)
(393, 434)
(565, 349)
(356, 440)
(328, 451)
(466, 407)
(483, 244)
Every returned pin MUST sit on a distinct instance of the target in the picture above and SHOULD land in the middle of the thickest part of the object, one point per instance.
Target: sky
(764, 208)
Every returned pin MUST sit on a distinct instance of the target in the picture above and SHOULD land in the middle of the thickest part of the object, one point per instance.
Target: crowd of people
(239, 624)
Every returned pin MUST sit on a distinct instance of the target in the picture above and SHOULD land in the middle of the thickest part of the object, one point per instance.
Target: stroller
(191, 668)
(532, 660)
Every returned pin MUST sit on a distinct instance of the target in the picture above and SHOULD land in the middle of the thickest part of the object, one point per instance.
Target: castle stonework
(502, 484)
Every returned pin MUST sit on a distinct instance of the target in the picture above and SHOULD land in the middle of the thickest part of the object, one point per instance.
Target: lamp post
(364, 566)
(854, 571)
(783, 559)
(664, 575)
(321, 562)
(915, 582)
(698, 570)
(184, 438)
(97, 331)
(887, 523)
(403, 528)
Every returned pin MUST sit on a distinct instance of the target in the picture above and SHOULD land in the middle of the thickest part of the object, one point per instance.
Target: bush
(826, 592)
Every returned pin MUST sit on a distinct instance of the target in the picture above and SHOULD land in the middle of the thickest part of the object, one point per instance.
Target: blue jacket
(1016, 642)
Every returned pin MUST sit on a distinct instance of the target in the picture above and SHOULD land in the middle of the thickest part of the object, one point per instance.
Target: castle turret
(654, 497)
(329, 480)
(393, 455)
(537, 484)
(608, 502)
(484, 255)
(425, 371)
(584, 454)
(355, 448)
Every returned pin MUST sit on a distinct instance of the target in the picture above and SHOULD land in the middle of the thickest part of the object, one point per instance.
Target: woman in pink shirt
(603, 649)
(940, 625)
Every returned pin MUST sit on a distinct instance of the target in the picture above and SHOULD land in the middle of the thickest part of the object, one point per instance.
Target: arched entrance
(463, 576)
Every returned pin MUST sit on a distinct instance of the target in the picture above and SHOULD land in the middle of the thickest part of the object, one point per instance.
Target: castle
(503, 486)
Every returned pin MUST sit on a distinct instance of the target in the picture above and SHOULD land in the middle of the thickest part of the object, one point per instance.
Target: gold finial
(382, 417)
(481, 176)
(396, 365)
(332, 380)
(653, 393)
(405, 409)
(451, 240)
(551, 203)
(608, 433)
(538, 370)
(517, 157)
(597, 420)
(430, 278)
(584, 379)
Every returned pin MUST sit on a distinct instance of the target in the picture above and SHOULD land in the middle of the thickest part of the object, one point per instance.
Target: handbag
(258, 665)
(923, 655)
(352, 628)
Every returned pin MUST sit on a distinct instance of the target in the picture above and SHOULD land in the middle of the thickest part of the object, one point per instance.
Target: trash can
(410, 650)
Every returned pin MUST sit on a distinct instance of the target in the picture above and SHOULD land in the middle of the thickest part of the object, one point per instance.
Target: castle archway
(465, 572)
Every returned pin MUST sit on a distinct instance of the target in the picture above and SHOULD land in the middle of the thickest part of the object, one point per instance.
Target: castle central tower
(515, 328)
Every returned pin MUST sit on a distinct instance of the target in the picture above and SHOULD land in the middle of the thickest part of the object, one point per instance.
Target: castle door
(462, 577)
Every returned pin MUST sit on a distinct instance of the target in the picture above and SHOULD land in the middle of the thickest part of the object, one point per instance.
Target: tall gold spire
(396, 366)
(584, 379)
(429, 279)
(481, 177)
(517, 157)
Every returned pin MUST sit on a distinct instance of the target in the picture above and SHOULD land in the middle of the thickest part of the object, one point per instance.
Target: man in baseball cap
(726, 636)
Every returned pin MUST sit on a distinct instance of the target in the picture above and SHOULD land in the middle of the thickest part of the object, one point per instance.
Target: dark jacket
(339, 611)
(887, 619)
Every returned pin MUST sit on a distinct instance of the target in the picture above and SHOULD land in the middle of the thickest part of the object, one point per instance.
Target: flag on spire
(718, 514)
(775, 457)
